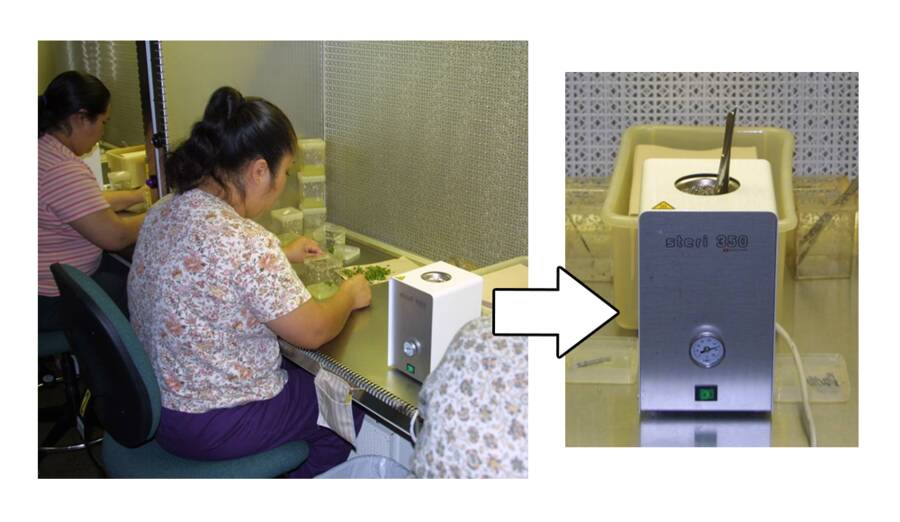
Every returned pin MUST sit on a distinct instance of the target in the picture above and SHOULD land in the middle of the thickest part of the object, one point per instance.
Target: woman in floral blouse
(475, 406)
(210, 291)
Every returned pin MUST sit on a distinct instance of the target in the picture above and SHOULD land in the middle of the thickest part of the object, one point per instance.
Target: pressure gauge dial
(707, 350)
(411, 347)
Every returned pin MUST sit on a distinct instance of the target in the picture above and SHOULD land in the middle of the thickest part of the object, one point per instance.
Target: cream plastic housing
(132, 160)
(756, 191)
(424, 313)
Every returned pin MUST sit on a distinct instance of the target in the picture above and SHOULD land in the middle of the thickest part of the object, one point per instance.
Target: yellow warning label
(663, 205)
(84, 402)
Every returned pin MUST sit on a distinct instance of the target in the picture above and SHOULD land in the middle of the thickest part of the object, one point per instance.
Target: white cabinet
(377, 439)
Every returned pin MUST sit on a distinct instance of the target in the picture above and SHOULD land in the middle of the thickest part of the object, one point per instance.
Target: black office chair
(125, 393)
(65, 417)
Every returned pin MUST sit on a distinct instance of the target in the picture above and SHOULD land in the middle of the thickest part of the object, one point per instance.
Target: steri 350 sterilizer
(707, 263)
(426, 307)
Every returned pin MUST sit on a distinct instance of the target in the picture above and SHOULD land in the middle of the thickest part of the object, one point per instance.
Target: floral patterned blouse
(475, 406)
(203, 282)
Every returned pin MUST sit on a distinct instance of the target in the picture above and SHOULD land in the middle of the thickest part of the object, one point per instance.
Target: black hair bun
(223, 103)
(234, 130)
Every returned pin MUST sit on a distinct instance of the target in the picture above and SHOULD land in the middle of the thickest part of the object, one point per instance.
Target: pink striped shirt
(67, 191)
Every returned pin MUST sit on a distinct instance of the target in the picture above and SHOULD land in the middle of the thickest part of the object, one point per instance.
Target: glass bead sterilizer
(426, 307)
(707, 266)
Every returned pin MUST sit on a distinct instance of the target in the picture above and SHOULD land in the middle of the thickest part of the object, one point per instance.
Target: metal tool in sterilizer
(426, 307)
(704, 184)
(707, 261)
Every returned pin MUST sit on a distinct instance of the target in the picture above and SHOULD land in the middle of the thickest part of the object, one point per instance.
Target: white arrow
(571, 312)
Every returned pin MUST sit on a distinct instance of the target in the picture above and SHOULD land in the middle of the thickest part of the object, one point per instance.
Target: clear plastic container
(334, 236)
(285, 238)
(323, 290)
(588, 238)
(313, 219)
(312, 156)
(320, 275)
(586, 192)
(117, 183)
(603, 360)
(772, 144)
(288, 219)
(320, 268)
(826, 378)
(313, 191)
(347, 253)
(826, 232)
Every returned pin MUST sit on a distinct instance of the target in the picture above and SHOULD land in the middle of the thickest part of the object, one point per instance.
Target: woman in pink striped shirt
(76, 221)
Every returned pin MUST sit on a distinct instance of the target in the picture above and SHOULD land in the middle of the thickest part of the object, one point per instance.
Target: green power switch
(410, 368)
(706, 393)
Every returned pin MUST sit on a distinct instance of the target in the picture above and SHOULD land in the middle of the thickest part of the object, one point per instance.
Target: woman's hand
(122, 199)
(360, 291)
(314, 323)
(142, 195)
(301, 248)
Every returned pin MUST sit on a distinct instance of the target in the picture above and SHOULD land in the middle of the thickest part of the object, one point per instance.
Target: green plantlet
(372, 273)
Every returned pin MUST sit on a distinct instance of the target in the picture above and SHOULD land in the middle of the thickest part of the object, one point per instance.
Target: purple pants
(230, 433)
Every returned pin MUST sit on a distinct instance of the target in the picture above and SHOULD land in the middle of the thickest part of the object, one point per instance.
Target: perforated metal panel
(821, 109)
(427, 145)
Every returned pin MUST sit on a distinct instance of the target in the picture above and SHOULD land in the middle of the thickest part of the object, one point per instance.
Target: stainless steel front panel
(706, 272)
(412, 323)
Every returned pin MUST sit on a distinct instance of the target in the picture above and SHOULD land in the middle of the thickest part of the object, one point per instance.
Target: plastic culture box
(320, 275)
(312, 156)
(287, 220)
(313, 219)
(313, 191)
(588, 239)
(826, 230)
(335, 237)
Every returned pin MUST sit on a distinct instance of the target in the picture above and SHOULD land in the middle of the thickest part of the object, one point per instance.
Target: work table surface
(361, 347)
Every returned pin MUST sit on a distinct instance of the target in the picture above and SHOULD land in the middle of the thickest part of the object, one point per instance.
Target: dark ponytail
(67, 94)
(234, 131)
